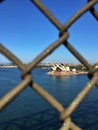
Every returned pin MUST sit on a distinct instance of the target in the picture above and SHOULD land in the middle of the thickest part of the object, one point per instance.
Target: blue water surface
(30, 111)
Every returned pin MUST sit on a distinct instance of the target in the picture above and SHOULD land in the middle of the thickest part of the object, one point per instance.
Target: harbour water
(30, 111)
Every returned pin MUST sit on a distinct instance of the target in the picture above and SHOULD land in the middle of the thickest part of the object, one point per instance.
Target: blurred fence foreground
(65, 113)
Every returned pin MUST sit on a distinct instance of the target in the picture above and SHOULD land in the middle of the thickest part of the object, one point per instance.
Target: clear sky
(26, 31)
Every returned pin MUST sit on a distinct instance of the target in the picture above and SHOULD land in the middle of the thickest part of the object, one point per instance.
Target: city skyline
(26, 32)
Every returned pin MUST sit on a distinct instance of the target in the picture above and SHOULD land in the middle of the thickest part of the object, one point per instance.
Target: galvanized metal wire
(27, 80)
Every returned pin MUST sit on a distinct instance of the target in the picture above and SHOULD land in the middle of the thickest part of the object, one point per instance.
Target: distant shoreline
(6, 66)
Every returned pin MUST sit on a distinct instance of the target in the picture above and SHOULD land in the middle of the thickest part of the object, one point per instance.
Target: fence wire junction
(65, 113)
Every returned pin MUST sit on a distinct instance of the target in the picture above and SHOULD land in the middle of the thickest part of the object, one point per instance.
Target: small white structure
(68, 68)
(74, 70)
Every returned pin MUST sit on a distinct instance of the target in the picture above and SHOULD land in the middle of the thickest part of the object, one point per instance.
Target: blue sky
(26, 32)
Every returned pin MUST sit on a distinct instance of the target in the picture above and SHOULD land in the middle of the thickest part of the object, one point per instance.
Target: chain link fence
(65, 113)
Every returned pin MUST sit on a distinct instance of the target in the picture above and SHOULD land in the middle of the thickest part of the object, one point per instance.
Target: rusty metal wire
(65, 113)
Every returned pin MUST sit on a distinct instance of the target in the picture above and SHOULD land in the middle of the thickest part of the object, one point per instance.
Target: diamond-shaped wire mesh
(65, 113)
